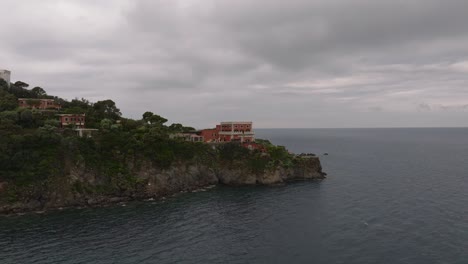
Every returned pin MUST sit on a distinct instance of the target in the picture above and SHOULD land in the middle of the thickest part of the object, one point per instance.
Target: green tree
(76, 103)
(106, 109)
(153, 119)
(147, 115)
(39, 92)
(188, 129)
(18, 89)
(26, 118)
(3, 84)
(21, 84)
(130, 124)
(52, 123)
(8, 123)
(106, 124)
(7, 101)
(176, 127)
(233, 151)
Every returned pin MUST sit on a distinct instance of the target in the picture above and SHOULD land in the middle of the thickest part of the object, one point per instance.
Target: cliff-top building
(5, 75)
(236, 131)
(229, 131)
(225, 132)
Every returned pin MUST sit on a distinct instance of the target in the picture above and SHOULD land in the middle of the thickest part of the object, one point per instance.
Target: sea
(396, 195)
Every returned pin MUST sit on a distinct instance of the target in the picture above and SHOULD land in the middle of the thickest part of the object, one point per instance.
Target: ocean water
(391, 196)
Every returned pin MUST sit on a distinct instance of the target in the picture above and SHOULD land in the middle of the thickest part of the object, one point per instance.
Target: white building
(5, 75)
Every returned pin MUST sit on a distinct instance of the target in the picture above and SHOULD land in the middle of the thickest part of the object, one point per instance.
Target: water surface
(392, 196)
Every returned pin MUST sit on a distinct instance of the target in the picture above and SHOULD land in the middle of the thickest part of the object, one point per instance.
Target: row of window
(229, 126)
(73, 119)
(41, 105)
(46, 102)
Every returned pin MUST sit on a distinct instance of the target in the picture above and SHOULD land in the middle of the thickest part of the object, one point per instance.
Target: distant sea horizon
(390, 127)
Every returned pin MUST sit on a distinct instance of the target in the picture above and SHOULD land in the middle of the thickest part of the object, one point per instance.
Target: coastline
(159, 184)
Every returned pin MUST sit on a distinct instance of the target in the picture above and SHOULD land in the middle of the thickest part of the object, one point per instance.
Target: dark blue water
(392, 196)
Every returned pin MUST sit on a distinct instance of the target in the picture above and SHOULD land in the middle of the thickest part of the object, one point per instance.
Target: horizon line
(358, 127)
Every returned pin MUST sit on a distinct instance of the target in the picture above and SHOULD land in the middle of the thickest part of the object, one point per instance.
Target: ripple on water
(392, 196)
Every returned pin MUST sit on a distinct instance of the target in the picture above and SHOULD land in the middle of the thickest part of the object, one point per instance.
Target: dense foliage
(33, 150)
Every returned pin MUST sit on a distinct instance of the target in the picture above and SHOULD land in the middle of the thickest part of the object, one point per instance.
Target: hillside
(45, 165)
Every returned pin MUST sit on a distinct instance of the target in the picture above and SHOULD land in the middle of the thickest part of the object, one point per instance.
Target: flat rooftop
(236, 122)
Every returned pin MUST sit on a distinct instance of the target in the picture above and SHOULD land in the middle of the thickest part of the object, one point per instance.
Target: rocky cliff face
(307, 168)
(78, 188)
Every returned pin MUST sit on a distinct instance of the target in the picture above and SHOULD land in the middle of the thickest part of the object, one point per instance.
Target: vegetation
(257, 161)
(34, 152)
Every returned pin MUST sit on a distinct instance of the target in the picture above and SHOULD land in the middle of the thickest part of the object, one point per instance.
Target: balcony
(245, 133)
(73, 123)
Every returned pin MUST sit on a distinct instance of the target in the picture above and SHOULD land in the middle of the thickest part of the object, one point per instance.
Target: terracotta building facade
(42, 104)
(238, 131)
(72, 120)
(210, 135)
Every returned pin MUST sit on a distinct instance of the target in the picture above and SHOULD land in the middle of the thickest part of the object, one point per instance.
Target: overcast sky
(295, 63)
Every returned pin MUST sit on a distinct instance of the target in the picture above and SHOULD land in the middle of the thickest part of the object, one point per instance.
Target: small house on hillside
(78, 122)
(74, 120)
(191, 137)
(42, 104)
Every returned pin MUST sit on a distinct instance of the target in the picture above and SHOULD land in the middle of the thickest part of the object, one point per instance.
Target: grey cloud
(322, 62)
(304, 33)
(424, 107)
(376, 109)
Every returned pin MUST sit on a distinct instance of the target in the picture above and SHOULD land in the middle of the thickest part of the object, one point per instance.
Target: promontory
(56, 153)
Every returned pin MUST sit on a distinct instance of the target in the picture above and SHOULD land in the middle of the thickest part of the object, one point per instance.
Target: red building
(236, 131)
(43, 104)
(253, 145)
(210, 135)
(73, 120)
(229, 131)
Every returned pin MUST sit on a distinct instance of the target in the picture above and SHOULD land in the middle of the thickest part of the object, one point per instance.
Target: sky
(295, 63)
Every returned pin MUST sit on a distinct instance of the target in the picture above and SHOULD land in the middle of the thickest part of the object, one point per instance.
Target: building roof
(236, 122)
(71, 114)
(36, 99)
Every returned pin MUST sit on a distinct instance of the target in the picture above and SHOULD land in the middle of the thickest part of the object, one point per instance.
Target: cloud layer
(298, 63)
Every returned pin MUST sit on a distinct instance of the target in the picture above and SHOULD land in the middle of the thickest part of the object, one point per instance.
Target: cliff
(303, 169)
(46, 164)
(82, 186)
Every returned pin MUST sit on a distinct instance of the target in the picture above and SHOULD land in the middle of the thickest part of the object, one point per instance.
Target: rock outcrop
(304, 169)
(78, 187)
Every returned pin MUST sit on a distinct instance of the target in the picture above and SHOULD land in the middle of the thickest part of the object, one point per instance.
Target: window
(66, 119)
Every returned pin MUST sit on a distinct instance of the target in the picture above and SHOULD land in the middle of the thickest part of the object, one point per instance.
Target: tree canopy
(39, 92)
(34, 151)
